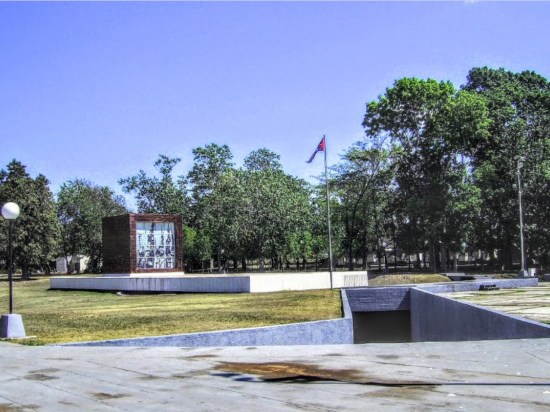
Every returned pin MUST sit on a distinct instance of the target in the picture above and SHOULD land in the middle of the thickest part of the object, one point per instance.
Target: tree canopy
(81, 206)
(435, 176)
(36, 232)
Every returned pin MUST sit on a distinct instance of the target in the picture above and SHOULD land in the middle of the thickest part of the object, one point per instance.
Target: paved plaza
(527, 302)
(484, 376)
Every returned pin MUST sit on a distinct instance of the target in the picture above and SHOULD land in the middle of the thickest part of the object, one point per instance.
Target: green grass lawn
(55, 316)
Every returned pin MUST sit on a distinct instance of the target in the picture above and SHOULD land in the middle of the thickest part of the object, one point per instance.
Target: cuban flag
(320, 148)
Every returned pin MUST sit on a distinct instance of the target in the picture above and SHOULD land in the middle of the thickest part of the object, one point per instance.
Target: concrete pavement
(530, 303)
(451, 376)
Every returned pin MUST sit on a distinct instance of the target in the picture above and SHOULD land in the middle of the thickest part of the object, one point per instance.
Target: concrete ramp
(441, 319)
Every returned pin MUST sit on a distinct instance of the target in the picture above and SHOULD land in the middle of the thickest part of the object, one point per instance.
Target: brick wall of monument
(117, 248)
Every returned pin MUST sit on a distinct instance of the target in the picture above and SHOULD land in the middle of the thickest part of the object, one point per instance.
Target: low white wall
(272, 282)
(217, 284)
(255, 283)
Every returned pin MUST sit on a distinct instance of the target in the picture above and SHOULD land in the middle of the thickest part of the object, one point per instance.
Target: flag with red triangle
(320, 148)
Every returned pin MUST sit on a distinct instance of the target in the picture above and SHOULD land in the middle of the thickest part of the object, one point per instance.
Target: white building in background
(72, 264)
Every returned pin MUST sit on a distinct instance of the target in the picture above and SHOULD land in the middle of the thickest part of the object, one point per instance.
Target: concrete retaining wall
(441, 319)
(378, 299)
(326, 332)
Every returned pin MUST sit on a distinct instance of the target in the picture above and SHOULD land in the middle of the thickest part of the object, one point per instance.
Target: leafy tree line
(47, 229)
(433, 178)
(235, 214)
(447, 164)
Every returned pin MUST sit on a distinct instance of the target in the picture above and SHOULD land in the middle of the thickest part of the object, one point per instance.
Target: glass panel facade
(156, 248)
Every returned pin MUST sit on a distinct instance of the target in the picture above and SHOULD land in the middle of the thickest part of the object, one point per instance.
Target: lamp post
(11, 326)
(10, 211)
(523, 271)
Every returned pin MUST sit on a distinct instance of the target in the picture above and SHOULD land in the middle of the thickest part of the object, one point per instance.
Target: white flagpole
(328, 215)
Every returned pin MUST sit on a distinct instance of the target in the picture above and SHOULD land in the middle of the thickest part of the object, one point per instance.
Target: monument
(143, 253)
(142, 244)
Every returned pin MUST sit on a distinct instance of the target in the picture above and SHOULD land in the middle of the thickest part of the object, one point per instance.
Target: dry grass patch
(55, 316)
(407, 279)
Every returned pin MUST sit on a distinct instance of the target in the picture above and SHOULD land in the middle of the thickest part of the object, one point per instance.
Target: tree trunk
(262, 264)
(424, 259)
(433, 259)
(455, 262)
(304, 263)
(243, 263)
(25, 275)
(350, 256)
(508, 257)
(443, 251)
(418, 262)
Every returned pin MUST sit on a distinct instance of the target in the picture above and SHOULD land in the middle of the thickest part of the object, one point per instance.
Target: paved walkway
(466, 376)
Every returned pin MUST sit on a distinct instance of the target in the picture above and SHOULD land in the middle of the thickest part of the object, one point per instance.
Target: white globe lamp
(10, 211)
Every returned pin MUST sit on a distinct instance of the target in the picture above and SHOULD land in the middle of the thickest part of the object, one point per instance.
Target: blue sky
(98, 90)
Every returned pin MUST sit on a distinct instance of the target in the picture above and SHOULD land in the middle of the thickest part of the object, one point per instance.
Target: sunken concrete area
(531, 302)
(421, 313)
(412, 313)
(488, 376)
(247, 283)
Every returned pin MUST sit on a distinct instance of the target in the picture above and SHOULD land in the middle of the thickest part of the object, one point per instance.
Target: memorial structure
(144, 253)
(142, 244)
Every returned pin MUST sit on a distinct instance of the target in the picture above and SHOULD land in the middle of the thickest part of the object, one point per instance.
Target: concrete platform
(247, 283)
(490, 376)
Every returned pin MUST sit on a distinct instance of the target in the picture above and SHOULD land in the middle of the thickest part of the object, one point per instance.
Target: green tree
(158, 195)
(36, 230)
(433, 128)
(519, 109)
(215, 197)
(276, 206)
(197, 247)
(81, 206)
(362, 185)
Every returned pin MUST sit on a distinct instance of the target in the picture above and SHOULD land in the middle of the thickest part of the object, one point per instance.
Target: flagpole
(328, 215)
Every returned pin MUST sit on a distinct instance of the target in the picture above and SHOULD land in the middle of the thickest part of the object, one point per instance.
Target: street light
(10, 211)
(11, 326)
(523, 271)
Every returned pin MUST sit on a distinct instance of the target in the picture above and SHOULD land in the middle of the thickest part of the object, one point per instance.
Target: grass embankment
(407, 279)
(70, 316)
